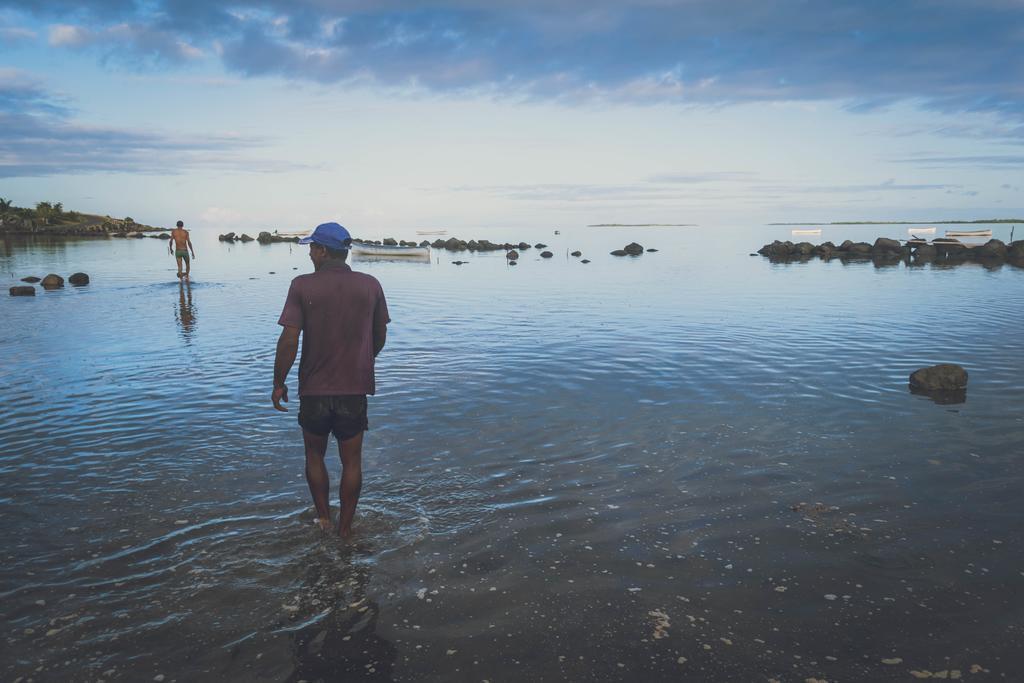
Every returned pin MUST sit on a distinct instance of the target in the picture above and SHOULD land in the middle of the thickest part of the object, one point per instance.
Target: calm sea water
(691, 465)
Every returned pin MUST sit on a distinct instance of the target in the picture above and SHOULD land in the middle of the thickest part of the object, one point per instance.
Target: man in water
(343, 317)
(179, 245)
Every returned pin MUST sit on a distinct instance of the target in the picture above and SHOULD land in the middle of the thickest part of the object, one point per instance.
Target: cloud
(11, 35)
(132, 43)
(990, 161)
(946, 55)
(41, 138)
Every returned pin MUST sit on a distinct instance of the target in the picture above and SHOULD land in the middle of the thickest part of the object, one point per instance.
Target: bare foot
(345, 532)
(324, 524)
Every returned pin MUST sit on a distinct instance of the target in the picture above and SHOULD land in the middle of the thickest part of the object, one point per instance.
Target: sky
(394, 114)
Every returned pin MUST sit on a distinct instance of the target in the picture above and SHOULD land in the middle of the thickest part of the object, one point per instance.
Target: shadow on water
(339, 642)
(942, 398)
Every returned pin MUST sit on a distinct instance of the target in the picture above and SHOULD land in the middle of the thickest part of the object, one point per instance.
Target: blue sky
(395, 115)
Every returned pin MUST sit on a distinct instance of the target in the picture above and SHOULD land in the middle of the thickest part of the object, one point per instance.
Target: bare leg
(351, 452)
(178, 259)
(188, 267)
(317, 477)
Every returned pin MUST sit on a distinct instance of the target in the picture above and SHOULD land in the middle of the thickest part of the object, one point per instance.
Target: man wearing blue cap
(342, 317)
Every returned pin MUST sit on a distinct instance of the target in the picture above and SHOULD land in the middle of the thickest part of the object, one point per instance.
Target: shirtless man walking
(179, 245)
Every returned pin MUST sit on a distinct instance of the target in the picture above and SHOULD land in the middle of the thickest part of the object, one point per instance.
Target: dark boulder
(245, 238)
(884, 245)
(263, 238)
(438, 243)
(993, 249)
(546, 254)
(633, 249)
(23, 290)
(925, 252)
(228, 237)
(52, 281)
(473, 245)
(30, 278)
(650, 249)
(390, 242)
(577, 253)
(943, 377)
(523, 245)
(1016, 250)
(619, 252)
(586, 260)
(459, 263)
(424, 243)
(512, 255)
(802, 249)
(825, 249)
(540, 245)
(163, 236)
(513, 263)
(78, 279)
(859, 249)
(845, 246)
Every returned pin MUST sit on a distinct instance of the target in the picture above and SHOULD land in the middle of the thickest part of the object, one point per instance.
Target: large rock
(390, 242)
(925, 252)
(540, 245)
(993, 249)
(52, 281)
(1016, 250)
(523, 245)
(79, 279)
(943, 377)
(245, 238)
(23, 290)
(619, 252)
(845, 246)
(884, 245)
(163, 236)
(263, 238)
(228, 237)
(633, 249)
(30, 278)
(859, 249)
(803, 249)
(512, 255)
(546, 254)
(577, 253)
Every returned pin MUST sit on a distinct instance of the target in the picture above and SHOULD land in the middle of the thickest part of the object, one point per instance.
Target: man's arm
(380, 336)
(191, 248)
(287, 348)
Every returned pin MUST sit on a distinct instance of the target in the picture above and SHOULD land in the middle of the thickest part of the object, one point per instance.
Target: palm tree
(5, 204)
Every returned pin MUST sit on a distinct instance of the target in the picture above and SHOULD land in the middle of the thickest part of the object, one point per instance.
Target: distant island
(984, 220)
(51, 220)
(643, 225)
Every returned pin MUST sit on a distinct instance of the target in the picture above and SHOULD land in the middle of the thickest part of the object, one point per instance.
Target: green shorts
(181, 253)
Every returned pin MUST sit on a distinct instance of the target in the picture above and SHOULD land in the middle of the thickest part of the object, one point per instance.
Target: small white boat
(431, 232)
(969, 233)
(814, 231)
(364, 249)
(921, 231)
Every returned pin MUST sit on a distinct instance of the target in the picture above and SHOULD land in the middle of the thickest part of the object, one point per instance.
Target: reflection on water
(566, 463)
(185, 313)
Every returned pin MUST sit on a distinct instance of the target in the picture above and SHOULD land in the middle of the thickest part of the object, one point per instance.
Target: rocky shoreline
(451, 244)
(85, 226)
(885, 251)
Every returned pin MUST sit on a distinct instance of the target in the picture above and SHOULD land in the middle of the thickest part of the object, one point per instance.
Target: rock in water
(943, 377)
(52, 281)
(633, 249)
(586, 260)
(546, 254)
(79, 279)
(23, 290)
(619, 252)
(539, 245)
(30, 278)
(263, 238)
(577, 253)
(512, 255)
(884, 245)
(245, 238)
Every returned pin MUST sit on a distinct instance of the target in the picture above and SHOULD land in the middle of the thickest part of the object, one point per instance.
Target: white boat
(921, 231)
(364, 249)
(814, 231)
(431, 232)
(969, 233)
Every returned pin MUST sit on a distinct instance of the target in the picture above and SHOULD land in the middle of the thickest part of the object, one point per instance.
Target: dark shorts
(344, 416)
(181, 253)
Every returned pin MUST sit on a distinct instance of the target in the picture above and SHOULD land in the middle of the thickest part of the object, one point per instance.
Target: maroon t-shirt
(337, 310)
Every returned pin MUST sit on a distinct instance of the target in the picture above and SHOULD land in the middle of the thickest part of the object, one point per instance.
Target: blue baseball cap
(330, 235)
